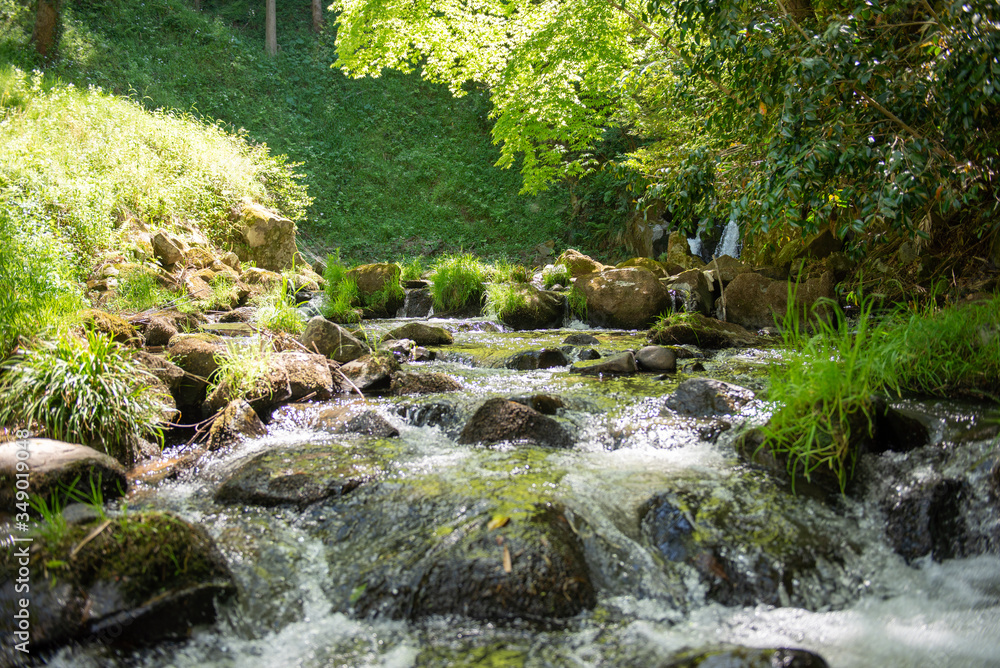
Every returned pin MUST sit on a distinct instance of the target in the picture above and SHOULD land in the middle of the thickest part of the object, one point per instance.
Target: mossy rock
(534, 309)
(129, 580)
(701, 331)
(422, 334)
(379, 288)
(54, 467)
(647, 263)
(120, 330)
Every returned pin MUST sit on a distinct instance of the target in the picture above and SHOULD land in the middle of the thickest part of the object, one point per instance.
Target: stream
(687, 548)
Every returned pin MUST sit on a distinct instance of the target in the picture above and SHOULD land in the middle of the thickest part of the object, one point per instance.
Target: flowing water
(635, 474)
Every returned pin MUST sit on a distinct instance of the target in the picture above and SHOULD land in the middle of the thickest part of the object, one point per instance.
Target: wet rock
(422, 334)
(53, 466)
(418, 303)
(401, 349)
(581, 340)
(625, 298)
(541, 309)
(751, 543)
(371, 372)
(706, 397)
(290, 376)
(439, 413)
(529, 360)
(754, 301)
(355, 418)
(545, 404)
(139, 581)
(926, 518)
(196, 355)
(746, 657)
(696, 329)
(263, 279)
(299, 476)
(529, 569)
(429, 382)
(586, 354)
(266, 237)
(899, 428)
(500, 420)
(331, 340)
(578, 263)
(656, 358)
(237, 420)
(619, 365)
(696, 288)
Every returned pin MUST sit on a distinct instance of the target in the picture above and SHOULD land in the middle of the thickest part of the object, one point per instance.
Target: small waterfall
(729, 244)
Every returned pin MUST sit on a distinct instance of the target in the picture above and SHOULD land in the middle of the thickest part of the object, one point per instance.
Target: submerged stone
(500, 420)
(707, 397)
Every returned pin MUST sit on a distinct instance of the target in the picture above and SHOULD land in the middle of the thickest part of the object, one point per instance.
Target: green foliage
(138, 290)
(459, 280)
(412, 270)
(505, 271)
(276, 310)
(504, 298)
(168, 166)
(577, 302)
(558, 275)
(38, 295)
(89, 392)
(395, 165)
(390, 291)
(53, 527)
(942, 353)
(242, 366)
(823, 395)
(342, 296)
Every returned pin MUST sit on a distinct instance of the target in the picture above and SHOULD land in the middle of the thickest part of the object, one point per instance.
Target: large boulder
(128, 582)
(500, 420)
(167, 248)
(644, 263)
(625, 298)
(265, 237)
(422, 334)
(237, 420)
(331, 340)
(537, 309)
(47, 466)
(696, 290)
(371, 372)
(290, 376)
(299, 476)
(578, 263)
(707, 397)
(378, 287)
(726, 268)
(696, 329)
(754, 301)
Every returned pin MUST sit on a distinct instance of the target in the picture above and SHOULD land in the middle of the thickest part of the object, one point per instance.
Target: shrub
(90, 392)
(458, 281)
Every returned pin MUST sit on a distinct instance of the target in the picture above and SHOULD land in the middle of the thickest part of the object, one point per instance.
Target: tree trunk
(317, 7)
(270, 30)
(46, 32)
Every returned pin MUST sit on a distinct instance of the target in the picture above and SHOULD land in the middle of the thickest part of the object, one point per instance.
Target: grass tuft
(504, 298)
(88, 392)
(459, 280)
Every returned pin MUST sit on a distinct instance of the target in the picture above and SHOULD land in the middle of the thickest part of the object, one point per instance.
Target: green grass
(276, 310)
(505, 271)
(342, 296)
(504, 298)
(396, 165)
(413, 269)
(577, 302)
(138, 290)
(556, 275)
(242, 366)
(89, 392)
(459, 281)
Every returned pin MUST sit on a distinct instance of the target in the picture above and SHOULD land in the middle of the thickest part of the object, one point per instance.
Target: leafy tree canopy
(869, 114)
